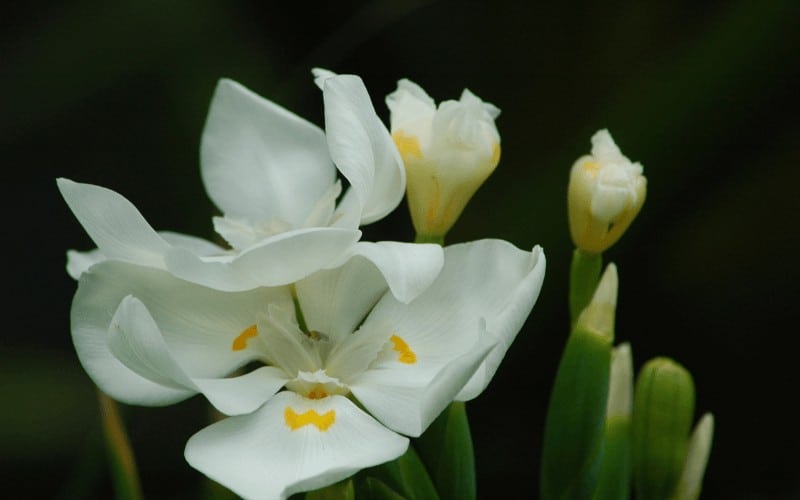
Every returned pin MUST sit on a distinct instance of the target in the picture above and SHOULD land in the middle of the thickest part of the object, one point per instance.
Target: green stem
(430, 238)
(123, 465)
(583, 278)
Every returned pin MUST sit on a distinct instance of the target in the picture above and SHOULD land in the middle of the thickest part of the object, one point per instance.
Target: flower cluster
(326, 352)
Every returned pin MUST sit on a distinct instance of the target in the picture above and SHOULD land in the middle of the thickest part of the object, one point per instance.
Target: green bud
(662, 418)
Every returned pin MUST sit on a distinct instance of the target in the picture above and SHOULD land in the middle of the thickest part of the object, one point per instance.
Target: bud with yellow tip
(448, 153)
(606, 192)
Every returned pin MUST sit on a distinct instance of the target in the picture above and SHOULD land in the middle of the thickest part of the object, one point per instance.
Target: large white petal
(279, 260)
(136, 340)
(407, 397)
(361, 147)
(242, 394)
(409, 268)
(334, 302)
(259, 456)
(489, 279)
(114, 224)
(260, 161)
(196, 245)
(92, 311)
(200, 325)
(79, 262)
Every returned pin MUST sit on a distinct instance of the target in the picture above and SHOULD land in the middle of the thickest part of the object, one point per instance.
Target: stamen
(310, 417)
(240, 342)
(406, 354)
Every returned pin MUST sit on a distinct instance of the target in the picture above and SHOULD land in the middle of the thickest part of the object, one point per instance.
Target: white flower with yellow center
(606, 191)
(448, 152)
(146, 337)
(274, 176)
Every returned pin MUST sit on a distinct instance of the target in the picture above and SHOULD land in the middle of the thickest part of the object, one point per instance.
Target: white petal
(260, 161)
(259, 456)
(200, 325)
(362, 148)
(334, 302)
(197, 246)
(135, 339)
(409, 268)
(80, 262)
(408, 397)
(113, 223)
(410, 106)
(489, 279)
(280, 260)
(92, 310)
(242, 394)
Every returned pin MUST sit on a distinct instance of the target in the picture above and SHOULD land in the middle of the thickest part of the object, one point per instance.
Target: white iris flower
(274, 177)
(289, 361)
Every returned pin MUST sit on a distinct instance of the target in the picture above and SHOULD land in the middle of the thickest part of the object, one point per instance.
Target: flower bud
(606, 191)
(448, 153)
(662, 417)
(694, 467)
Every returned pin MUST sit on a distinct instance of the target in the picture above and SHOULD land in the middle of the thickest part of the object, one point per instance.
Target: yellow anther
(240, 342)
(311, 417)
(406, 354)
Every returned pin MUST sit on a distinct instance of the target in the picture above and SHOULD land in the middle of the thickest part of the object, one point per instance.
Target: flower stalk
(124, 473)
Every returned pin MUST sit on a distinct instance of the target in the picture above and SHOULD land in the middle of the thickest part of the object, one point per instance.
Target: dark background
(701, 93)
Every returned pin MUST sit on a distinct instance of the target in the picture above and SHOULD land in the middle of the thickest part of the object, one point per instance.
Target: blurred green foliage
(703, 94)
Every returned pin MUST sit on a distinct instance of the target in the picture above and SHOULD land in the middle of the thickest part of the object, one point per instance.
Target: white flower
(448, 152)
(273, 176)
(606, 191)
(146, 337)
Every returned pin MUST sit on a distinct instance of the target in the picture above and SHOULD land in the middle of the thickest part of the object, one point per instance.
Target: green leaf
(614, 482)
(446, 449)
(407, 475)
(343, 490)
(372, 488)
(584, 275)
(575, 423)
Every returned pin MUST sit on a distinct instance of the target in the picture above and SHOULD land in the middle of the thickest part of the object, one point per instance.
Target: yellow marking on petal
(407, 145)
(311, 417)
(406, 354)
(240, 342)
(318, 392)
(495, 155)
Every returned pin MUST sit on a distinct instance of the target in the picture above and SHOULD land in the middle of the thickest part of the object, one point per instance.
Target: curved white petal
(91, 320)
(136, 340)
(198, 246)
(279, 260)
(114, 224)
(489, 279)
(407, 397)
(200, 325)
(242, 394)
(260, 456)
(334, 302)
(504, 323)
(79, 262)
(361, 147)
(409, 268)
(260, 161)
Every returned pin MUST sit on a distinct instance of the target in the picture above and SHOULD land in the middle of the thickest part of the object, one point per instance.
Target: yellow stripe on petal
(297, 420)
(408, 145)
(406, 354)
(240, 342)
